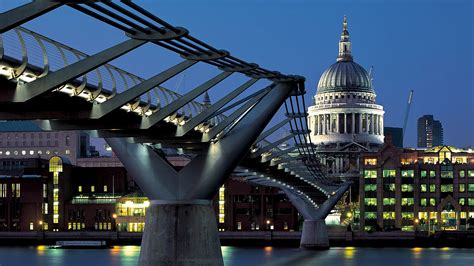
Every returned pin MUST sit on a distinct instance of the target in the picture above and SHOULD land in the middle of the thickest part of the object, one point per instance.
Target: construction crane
(407, 111)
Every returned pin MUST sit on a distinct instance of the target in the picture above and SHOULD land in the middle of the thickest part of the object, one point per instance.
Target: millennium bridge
(61, 88)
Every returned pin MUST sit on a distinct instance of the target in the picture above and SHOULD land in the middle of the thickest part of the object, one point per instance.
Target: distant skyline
(424, 45)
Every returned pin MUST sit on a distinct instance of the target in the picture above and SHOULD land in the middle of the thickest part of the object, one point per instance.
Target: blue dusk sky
(424, 45)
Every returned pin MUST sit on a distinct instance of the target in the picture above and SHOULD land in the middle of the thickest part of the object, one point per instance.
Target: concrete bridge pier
(314, 235)
(181, 224)
(180, 233)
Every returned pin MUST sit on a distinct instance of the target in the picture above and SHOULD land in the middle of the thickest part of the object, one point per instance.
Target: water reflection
(233, 256)
(349, 252)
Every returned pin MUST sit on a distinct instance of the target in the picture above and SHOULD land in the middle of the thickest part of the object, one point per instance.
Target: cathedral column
(353, 124)
(360, 123)
(367, 123)
(375, 124)
(372, 124)
(345, 123)
(330, 123)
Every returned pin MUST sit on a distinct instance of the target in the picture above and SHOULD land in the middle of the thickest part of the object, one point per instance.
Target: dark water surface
(240, 256)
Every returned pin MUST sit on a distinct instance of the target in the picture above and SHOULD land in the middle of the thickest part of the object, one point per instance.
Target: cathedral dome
(345, 76)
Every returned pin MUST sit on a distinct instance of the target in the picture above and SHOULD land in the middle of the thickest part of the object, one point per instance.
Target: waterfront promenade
(337, 237)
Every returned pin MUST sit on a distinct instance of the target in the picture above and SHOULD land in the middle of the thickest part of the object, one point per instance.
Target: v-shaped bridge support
(180, 219)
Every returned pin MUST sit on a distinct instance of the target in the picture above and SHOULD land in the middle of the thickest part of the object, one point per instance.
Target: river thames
(237, 256)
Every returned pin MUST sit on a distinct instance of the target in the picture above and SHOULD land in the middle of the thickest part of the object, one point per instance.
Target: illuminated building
(131, 211)
(412, 189)
(251, 208)
(345, 119)
(430, 132)
(24, 139)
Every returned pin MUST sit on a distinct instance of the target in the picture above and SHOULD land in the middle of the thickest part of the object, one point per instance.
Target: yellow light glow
(349, 214)
(146, 204)
(268, 221)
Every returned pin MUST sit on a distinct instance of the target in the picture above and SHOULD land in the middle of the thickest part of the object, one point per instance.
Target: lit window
(389, 173)
(423, 202)
(388, 201)
(370, 201)
(423, 174)
(32, 226)
(92, 188)
(423, 188)
(370, 187)
(407, 215)
(470, 201)
(370, 173)
(370, 161)
(105, 188)
(446, 174)
(408, 201)
(23, 152)
(462, 187)
(45, 190)
(389, 215)
(462, 201)
(470, 187)
(470, 173)
(7, 153)
(447, 188)
(432, 202)
(432, 188)
(370, 215)
(432, 174)
(67, 152)
(239, 225)
(462, 173)
(32, 152)
(408, 173)
(79, 189)
(407, 188)
(45, 208)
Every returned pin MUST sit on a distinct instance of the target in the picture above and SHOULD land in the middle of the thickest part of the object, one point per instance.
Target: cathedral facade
(345, 119)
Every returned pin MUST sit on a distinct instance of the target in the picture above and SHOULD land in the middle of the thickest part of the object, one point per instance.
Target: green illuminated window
(432, 188)
(470, 201)
(470, 187)
(389, 173)
(423, 202)
(370, 173)
(370, 201)
(432, 174)
(470, 173)
(462, 201)
(408, 173)
(388, 215)
(370, 215)
(423, 174)
(447, 188)
(408, 201)
(446, 174)
(462, 173)
(407, 215)
(388, 201)
(462, 188)
(389, 187)
(423, 188)
(407, 188)
(370, 187)
(432, 202)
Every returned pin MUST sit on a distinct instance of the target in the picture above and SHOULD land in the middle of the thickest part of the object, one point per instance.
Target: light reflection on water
(346, 256)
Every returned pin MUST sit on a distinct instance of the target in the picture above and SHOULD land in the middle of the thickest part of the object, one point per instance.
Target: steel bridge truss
(64, 89)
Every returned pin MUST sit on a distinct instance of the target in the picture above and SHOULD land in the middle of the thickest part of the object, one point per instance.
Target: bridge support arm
(24, 13)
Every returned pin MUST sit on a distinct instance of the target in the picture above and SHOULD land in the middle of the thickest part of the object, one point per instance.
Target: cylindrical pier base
(180, 234)
(314, 235)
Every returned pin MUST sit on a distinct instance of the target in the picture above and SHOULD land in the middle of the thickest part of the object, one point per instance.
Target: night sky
(424, 45)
